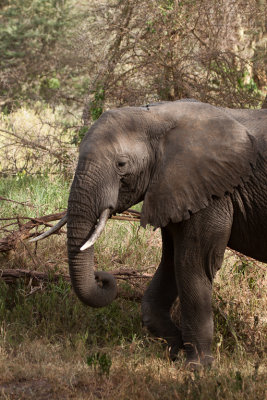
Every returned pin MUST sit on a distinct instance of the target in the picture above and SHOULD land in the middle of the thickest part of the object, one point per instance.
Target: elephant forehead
(130, 144)
(112, 144)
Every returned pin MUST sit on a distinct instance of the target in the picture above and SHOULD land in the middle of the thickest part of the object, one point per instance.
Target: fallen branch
(10, 275)
(11, 241)
(38, 279)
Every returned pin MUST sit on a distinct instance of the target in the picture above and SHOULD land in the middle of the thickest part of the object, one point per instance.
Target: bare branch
(33, 144)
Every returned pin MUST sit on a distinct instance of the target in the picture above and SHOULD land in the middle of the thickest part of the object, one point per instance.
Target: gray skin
(201, 172)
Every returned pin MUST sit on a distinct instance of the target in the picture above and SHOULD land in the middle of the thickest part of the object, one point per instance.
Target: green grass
(56, 315)
(52, 346)
(43, 194)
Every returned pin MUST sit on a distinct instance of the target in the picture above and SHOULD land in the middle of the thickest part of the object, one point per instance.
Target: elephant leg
(199, 246)
(159, 297)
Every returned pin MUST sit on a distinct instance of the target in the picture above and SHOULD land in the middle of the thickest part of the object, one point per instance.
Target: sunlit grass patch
(37, 140)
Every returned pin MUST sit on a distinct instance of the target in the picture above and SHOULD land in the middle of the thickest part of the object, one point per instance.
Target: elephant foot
(159, 324)
(197, 366)
(196, 360)
(192, 362)
(174, 349)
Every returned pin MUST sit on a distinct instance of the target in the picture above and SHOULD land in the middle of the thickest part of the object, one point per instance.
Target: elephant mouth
(104, 216)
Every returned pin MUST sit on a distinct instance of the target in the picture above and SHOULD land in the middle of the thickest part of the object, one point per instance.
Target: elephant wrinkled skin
(201, 172)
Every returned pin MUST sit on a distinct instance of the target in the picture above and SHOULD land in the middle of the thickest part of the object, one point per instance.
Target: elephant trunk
(96, 289)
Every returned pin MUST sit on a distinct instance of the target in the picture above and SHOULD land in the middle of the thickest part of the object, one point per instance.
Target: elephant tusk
(98, 230)
(51, 230)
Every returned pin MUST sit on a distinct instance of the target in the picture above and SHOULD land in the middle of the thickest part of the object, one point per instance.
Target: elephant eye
(121, 163)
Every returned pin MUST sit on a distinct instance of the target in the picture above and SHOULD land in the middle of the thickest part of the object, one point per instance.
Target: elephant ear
(198, 159)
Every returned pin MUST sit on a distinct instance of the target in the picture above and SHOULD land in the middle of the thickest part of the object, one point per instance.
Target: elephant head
(113, 172)
(174, 156)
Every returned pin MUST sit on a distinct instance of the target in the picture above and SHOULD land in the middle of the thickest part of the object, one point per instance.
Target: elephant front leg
(198, 253)
(159, 297)
(196, 319)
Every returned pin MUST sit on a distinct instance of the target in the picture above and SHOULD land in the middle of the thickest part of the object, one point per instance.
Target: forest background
(62, 63)
(74, 59)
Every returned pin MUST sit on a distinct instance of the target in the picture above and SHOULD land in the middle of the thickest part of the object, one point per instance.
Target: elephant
(201, 173)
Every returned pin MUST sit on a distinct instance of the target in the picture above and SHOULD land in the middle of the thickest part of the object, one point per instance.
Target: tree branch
(33, 144)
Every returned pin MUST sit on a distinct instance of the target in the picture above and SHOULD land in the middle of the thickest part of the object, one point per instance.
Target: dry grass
(36, 140)
(42, 370)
